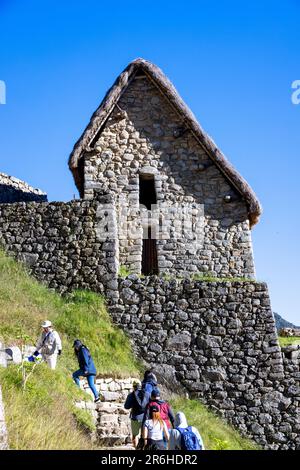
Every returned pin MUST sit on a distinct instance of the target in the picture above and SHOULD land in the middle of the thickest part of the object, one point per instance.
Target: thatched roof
(169, 91)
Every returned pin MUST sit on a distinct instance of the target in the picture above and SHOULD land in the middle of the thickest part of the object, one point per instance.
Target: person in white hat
(49, 345)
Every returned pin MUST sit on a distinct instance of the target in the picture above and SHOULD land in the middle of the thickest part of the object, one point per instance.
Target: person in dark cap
(165, 410)
(86, 367)
(137, 402)
(155, 431)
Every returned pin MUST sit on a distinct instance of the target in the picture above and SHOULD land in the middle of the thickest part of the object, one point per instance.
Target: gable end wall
(139, 138)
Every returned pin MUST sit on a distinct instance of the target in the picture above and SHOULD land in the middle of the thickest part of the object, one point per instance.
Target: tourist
(136, 401)
(155, 431)
(86, 367)
(149, 381)
(164, 408)
(48, 345)
(184, 437)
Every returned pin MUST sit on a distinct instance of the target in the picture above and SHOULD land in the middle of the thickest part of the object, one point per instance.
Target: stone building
(187, 210)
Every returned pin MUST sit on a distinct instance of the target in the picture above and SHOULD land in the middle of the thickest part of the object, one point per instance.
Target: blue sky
(233, 63)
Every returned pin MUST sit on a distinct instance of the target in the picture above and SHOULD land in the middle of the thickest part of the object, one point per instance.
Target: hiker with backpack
(164, 408)
(86, 367)
(149, 382)
(155, 431)
(184, 437)
(48, 345)
(137, 402)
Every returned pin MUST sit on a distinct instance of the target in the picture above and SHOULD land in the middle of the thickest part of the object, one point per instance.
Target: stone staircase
(110, 417)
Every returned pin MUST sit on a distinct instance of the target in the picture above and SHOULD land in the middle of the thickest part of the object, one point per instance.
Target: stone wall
(219, 341)
(110, 417)
(290, 386)
(62, 244)
(14, 190)
(140, 138)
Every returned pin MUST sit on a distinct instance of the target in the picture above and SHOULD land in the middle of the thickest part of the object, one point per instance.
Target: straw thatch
(166, 87)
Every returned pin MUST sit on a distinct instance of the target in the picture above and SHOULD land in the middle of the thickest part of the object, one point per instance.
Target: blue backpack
(189, 440)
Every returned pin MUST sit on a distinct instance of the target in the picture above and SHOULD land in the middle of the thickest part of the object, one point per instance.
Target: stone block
(112, 396)
(13, 355)
(108, 419)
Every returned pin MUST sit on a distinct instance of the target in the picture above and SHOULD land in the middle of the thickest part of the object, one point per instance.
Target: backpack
(189, 440)
(164, 409)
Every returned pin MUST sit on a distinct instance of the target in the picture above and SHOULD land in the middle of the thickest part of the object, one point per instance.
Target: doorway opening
(149, 255)
(147, 191)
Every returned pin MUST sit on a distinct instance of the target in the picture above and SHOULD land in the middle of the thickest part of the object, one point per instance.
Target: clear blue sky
(233, 63)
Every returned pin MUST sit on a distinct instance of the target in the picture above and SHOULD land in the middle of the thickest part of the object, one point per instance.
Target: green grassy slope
(286, 341)
(43, 416)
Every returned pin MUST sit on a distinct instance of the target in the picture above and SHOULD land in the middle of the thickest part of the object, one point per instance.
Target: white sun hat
(46, 324)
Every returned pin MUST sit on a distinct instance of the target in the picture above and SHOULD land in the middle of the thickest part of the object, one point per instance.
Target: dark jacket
(137, 402)
(85, 361)
(165, 412)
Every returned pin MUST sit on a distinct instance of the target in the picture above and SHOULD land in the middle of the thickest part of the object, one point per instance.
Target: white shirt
(49, 343)
(155, 429)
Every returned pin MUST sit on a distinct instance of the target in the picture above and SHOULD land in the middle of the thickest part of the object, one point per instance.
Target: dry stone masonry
(218, 339)
(110, 417)
(60, 245)
(14, 190)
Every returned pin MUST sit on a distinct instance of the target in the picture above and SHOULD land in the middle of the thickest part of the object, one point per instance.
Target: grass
(44, 416)
(124, 271)
(25, 303)
(209, 278)
(286, 341)
(215, 432)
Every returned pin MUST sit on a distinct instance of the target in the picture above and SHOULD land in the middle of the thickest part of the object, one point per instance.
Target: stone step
(121, 448)
(113, 441)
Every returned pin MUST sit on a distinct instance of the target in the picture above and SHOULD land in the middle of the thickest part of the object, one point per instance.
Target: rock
(111, 396)
(257, 429)
(206, 341)
(215, 375)
(13, 355)
(279, 437)
(179, 342)
(3, 359)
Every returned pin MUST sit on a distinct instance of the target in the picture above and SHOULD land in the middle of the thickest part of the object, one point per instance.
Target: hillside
(282, 323)
(44, 416)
